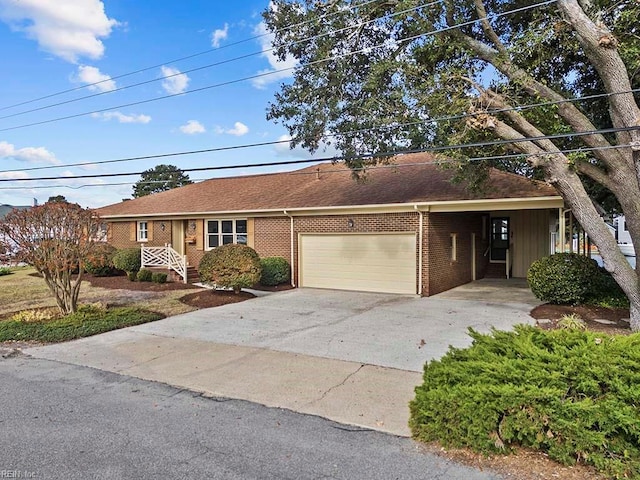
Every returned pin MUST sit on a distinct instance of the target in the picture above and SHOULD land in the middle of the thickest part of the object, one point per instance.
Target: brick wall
(272, 237)
(120, 234)
(443, 273)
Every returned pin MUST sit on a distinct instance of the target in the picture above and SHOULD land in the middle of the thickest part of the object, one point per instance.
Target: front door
(177, 236)
(499, 239)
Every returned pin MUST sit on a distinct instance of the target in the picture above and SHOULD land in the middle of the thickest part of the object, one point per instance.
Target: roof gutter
(293, 263)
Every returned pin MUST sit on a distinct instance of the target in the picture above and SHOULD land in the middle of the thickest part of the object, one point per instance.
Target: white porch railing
(165, 257)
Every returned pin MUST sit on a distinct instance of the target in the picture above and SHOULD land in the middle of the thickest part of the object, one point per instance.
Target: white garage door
(366, 262)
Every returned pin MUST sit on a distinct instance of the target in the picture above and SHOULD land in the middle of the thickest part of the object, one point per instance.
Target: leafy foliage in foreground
(569, 393)
(87, 321)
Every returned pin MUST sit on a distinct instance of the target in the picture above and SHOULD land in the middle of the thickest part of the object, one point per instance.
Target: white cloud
(283, 149)
(218, 35)
(13, 175)
(280, 69)
(66, 28)
(192, 127)
(91, 75)
(122, 118)
(174, 82)
(239, 129)
(27, 154)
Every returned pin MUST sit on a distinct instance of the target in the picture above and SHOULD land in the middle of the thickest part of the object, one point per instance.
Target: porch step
(192, 274)
(495, 270)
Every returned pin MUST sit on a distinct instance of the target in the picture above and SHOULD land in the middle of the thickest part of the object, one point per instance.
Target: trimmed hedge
(159, 277)
(231, 266)
(275, 270)
(127, 260)
(144, 275)
(99, 261)
(563, 278)
(570, 393)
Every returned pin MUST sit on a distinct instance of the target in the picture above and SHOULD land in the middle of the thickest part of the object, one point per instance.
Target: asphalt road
(67, 422)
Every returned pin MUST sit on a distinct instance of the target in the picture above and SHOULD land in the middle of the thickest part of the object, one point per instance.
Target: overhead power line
(217, 64)
(187, 57)
(273, 72)
(355, 157)
(518, 108)
(337, 170)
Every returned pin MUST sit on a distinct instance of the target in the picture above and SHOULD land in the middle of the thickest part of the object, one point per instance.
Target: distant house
(5, 209)
(405, 229)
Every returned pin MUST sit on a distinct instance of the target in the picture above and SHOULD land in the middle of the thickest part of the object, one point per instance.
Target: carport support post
(562, 229)
(420, 233)
(293, 262)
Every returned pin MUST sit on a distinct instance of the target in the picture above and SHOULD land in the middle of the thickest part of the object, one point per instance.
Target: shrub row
(570, 278)
(570, 393)
(239, 266)
(231, 266)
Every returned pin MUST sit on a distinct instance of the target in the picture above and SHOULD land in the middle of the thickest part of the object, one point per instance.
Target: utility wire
(339, 170)
(355, 157)
(275, 142)
(187, 57)
(221, 62)
(265, 74)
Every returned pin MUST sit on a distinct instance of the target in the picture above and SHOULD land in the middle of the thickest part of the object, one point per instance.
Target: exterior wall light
(350, 223)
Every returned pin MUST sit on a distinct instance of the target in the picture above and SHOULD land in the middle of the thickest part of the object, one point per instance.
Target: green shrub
(606, 292)
(99, 261)
(144, 275)
(563, 278)
(572, 321)
(275, 270)
(5, 271)
(159, 277)
(570, 393)
(132, 276)
(232, 266)
(127, 260)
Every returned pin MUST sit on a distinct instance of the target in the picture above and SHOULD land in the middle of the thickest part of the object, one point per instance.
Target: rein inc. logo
(17, 474)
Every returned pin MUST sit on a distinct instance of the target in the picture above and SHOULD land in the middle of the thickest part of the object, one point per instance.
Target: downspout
(293, 262)
(420, 233)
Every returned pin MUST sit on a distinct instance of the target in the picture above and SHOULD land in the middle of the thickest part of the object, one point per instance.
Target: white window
(454, 247)
(143, 231)
(223, 232)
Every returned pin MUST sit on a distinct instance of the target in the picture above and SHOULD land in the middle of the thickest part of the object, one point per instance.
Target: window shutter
(109, 232)
(199, 234)
(250, 230)
(150, 231)
(133, 227)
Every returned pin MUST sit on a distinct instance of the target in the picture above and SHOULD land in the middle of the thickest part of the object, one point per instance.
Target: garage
(384, 263)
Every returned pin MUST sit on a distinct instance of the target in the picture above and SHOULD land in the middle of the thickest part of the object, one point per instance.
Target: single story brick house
(405, 229)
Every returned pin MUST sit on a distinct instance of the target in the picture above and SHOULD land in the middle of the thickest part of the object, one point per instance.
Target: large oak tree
(390, 75)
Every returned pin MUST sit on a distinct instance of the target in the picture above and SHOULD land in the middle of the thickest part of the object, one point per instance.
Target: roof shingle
(410, 179)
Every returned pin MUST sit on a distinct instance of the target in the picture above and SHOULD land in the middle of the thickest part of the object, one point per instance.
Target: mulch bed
(122, 282)
(214, 298)
(590, 315)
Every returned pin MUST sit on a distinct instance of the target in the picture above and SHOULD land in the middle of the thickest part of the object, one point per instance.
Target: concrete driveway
(393, 331)
(352, 357)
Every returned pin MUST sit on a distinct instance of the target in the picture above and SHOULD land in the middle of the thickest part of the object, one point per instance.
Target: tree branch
(567, 110)
(488, 29)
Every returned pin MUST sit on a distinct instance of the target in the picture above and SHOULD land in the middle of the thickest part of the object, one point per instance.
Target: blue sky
(48, 46)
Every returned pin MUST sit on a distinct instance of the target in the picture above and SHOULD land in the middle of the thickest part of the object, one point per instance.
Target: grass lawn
(104, 309)
(86, 321)
(22, 291)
